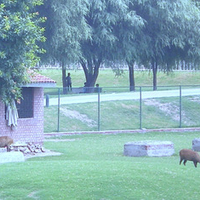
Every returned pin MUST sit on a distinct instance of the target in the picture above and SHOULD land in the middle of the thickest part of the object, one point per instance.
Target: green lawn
(124, 115)
(107, 78)
(93, 167)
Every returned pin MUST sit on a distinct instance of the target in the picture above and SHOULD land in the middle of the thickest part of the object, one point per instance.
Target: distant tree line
(159, 35)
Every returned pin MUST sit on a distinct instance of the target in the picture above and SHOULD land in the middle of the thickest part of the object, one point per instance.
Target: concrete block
(149, 148)
(196, 144)
(6, 157)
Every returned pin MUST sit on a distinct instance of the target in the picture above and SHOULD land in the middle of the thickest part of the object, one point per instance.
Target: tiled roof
(38, 78)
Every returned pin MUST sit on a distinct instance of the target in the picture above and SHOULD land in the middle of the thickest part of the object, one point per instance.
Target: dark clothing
(69, 82)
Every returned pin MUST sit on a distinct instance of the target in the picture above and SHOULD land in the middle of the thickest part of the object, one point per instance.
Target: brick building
(30, 122)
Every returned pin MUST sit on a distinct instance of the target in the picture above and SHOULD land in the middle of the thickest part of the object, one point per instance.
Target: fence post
(47, 100)
(180, 105)
(58, 127)
(140, 107)
(99, 105)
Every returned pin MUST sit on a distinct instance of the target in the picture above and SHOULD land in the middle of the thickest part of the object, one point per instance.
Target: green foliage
(171, 33)
(157, 34)
(104, 18)
(173, 28)
(65, 28)
(19, 34)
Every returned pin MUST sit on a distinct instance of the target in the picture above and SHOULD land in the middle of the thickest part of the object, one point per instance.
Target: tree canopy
(154, 33)
(102, 17)
(19, 34)
(149, 32)
(65, 28)
(171, 31)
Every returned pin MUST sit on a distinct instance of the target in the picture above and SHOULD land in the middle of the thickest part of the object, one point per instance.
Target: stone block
(6, 157)
(149, 148)
(196, 144)
(16, 146)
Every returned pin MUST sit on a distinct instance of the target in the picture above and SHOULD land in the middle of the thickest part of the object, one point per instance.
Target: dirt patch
(73, 114)
(195, 99)
(170, 110)
(128, 106)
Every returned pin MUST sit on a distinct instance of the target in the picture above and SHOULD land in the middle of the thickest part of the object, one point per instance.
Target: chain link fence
(110, 108)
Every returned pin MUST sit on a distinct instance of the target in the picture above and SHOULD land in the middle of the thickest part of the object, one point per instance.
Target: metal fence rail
(119, 109)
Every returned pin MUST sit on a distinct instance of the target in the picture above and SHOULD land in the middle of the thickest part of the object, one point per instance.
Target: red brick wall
(28, 129)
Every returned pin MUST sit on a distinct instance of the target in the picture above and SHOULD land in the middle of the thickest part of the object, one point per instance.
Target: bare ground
(170, 110)
(73, 114)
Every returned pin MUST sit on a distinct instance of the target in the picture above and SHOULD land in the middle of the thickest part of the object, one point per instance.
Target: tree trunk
(155, 69)
(131, 76)
(64, 79)
(91, 71)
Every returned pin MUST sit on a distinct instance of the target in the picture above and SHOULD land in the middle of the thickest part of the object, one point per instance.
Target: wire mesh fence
(100, 109)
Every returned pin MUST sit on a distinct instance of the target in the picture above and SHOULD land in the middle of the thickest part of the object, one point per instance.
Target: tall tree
(65, 28)
(131, 44)
(19, 34)
(103, 17)
(168, 26)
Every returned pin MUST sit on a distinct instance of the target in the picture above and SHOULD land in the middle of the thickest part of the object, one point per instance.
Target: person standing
(69, 82)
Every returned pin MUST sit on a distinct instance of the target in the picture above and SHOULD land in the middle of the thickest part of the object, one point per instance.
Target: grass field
(107, 78)
(125, 114)
(92, 167)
